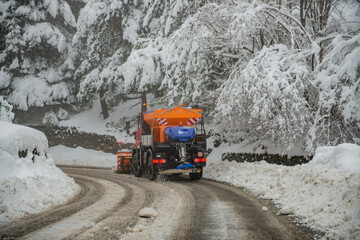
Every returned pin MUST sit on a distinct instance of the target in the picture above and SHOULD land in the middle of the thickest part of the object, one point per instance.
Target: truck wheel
(136, 165)
(151, 170)
(195, 176)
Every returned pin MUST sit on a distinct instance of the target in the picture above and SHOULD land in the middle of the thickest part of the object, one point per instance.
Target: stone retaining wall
(72, 137)
(269, 158)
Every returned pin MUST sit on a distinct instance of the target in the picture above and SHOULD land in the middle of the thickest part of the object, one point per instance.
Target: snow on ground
(93, 122)
(325, 193)
(81, 157)
(27, 187)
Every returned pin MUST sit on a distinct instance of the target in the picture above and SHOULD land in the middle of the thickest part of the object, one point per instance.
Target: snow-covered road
(108, 207)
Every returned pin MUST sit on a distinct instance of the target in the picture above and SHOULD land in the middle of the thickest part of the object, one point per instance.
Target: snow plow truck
(169, 141)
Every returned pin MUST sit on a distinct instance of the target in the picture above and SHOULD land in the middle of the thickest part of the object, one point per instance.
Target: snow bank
(28, 186)
(15, 138)
(324, 193)
(82, 157)
(344, 156)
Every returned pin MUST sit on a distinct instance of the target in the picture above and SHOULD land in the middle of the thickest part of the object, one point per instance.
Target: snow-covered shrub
(62, 114)
(6, 113)
(337, 79)
(267, 99)
(50, 118)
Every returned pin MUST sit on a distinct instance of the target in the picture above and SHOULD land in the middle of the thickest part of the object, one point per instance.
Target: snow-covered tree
(337, 79)
(35, 51)
(110, 39)
(268, 98)
(202, 53)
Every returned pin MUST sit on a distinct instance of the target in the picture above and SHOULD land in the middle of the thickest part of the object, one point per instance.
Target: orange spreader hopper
(158, 120)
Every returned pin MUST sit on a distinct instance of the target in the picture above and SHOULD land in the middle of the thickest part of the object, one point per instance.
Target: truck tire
(136, 165)
(195, 176)
(151, 170)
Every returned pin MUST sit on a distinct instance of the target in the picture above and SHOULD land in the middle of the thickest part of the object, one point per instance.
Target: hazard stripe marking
(162, 121)
(192, 121)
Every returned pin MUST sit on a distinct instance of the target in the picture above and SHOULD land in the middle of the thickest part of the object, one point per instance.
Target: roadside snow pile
(344, 156)
(28, 186)
(15, 138)
(82, 157)
(325, 193)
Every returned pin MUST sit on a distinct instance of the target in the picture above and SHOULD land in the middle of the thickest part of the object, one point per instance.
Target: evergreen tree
(35, 50)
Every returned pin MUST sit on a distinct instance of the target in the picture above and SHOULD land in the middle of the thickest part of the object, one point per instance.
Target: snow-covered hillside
(32, 183)
(92, 121)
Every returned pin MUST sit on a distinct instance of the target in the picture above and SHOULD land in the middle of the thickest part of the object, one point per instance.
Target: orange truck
(169, 141)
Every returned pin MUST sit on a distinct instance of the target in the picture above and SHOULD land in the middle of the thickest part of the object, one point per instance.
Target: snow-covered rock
(148, 212)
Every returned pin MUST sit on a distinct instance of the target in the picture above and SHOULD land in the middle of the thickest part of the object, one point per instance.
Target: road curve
(225, 212)
(108, 204)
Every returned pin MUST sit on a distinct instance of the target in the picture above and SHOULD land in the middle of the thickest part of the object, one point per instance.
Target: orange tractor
(169, 141)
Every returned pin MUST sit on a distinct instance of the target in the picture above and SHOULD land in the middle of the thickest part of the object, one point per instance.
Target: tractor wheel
(151, 170)
(136, 165)
(195, 176)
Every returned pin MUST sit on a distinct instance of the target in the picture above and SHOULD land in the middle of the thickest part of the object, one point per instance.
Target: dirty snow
(324, 194)
(81, 157)
(27, 187)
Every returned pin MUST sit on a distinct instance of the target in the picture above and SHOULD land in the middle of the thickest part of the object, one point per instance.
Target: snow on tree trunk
(103, 104)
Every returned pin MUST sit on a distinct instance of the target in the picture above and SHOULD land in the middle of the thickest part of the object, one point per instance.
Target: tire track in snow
(86, 217)
(124, 215)
(90, 192)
